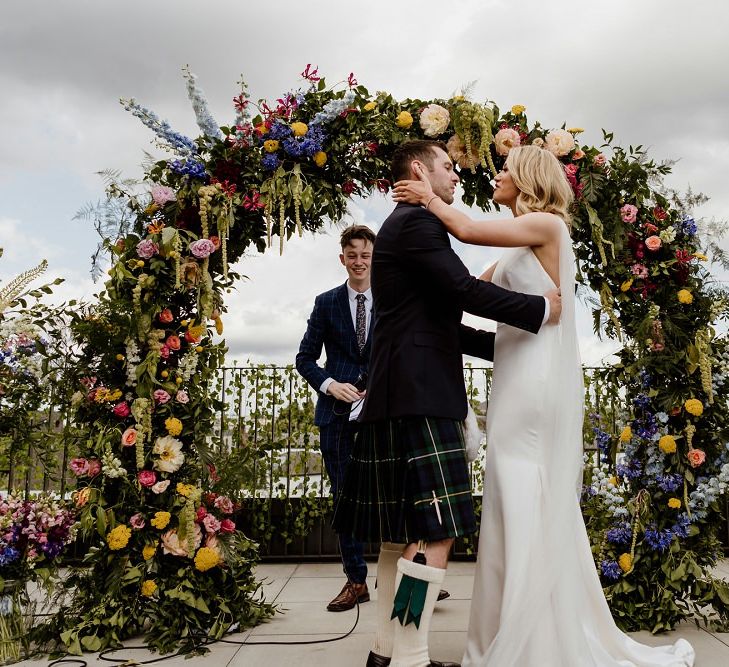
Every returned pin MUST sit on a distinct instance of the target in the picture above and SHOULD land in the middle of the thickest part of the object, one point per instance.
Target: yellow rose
(575, 130)
(206, 558)
(118, 538)
(148, 588)
(674, 503)
(370, 106)
(626, 434)
(404, 120)
(626, 285)
(518, 109)
(161, 519)
(667, 444)
(299, 129)
(149, 551)
(270, 145)
(694, 407)
(684, 296)
(173, 426)
(320, 158)
(626, 562)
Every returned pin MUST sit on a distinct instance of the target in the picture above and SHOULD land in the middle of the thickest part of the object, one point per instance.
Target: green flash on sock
(410, 600)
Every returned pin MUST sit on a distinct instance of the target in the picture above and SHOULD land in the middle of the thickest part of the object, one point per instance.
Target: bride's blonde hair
(541, 181)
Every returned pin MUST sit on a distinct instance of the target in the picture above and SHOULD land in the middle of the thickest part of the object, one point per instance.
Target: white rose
(505, 140)
(668, 235)
(560, 142)
(434, 120)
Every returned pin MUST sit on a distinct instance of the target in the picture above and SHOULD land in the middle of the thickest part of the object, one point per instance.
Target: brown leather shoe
(350, 595)
(443, 594)
(374, 660)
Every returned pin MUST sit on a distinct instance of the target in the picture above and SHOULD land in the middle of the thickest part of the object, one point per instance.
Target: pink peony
(653, 243)
(202, 248)
(161, 396)
(137, 521)
(94, 467)
(122, 410)
(129, 437)
(505, 140)
(224, 504)
(182, 397)
(639, 270)
(147, 249)
(164, 352)
(171, 543)
(227, 526)
(147, 477)
(212, 525)
(161, 194)
(559, 142)
(599, 160)
(629, 213)
(79, 467)
(696, 457)
(161, 487)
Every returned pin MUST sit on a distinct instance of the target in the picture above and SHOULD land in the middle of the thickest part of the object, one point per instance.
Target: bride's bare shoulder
(546, 222)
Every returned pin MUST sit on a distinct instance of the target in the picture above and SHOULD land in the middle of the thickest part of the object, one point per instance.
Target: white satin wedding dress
(537, 599)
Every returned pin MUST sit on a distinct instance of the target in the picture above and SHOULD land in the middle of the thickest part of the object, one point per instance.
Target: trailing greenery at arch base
(165, 559)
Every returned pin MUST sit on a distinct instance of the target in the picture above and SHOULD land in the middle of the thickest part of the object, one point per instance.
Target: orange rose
(173, 342)
(696, 457)
(166, 316)
(129, 437)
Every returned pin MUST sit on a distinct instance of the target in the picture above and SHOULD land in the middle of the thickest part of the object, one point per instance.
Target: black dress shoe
(435, 663)
(374, 660)
(443, 594)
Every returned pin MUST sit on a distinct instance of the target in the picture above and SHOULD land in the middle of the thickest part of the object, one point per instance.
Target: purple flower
(658, 540)
(293, 147)
(270, 161)
(279, 131)
(630, 470)
(687, 226)
(641, 401)
(680, 528)
(189, 168)
(610, 570)
(669, 482)
(147, 249)
(621, 534)
(202, 248)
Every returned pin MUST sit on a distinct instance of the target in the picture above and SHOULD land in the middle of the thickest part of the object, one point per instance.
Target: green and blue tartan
(407, 480)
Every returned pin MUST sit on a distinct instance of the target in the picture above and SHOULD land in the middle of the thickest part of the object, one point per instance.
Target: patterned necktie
(361, 322)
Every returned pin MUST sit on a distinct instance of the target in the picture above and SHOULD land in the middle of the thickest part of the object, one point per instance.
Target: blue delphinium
(9, 555)
(189, 167)
(610, 570)
(688, 226)
(334, 108)
(669, 482)
(279, 131)
(270, 161)
(179, 142)
(205, 120)
(641, 401)
(645, 378)
(621, 534)
(680, 528)
(658, 540)
(630, 470)
(293, 147)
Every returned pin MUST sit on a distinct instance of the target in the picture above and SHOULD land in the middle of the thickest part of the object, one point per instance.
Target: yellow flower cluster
(148, 588)
(626, 562)
(575, 130)
(299, 129)
(185, 489)
(684, 296)
(667, 444)
(320, 158)
(161, 519)
(518, 109)
(694, 407)
(206, 558)
(370, 106)
(118, 538)
(626, 435)
(270, 145)
(149, 551)
(104, 395)
(404, 120)
(173, 426)
(674, 503)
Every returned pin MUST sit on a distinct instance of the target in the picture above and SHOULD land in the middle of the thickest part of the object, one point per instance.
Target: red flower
(659, 213)
(190, 338)
(213, 473)
(348, 187)
(201, 513)
(251, 203)
(173, 342)
(650, 228)
(240, 103)
(383, 185)
(215, 241)
(166, 316)
(164, 352)
(147, 477)
(122, 410)
(94, 467)
(351, 81)
(311, 74)
(372, 147)
(227, 526)
(683, 257)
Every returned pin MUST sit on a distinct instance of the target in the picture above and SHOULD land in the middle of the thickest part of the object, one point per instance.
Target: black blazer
(420, 289)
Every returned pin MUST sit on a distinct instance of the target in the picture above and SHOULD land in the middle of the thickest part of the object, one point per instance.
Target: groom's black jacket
(420, 289)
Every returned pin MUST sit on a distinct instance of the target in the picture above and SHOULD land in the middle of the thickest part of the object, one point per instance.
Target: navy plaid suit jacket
(330, 327)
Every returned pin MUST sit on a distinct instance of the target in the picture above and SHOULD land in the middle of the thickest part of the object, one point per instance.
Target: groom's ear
(414, 164)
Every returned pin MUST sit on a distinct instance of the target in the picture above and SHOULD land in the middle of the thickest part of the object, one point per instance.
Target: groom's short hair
(419, 149)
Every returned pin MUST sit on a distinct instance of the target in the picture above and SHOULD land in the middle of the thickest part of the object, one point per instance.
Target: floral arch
(161, 538)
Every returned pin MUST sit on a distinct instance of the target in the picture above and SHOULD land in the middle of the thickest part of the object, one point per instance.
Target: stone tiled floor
(302, 591)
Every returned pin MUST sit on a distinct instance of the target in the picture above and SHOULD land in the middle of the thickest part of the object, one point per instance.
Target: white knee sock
(386, 573)
(410, 647)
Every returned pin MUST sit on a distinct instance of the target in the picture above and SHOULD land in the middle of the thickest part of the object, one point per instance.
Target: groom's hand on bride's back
(554, 296)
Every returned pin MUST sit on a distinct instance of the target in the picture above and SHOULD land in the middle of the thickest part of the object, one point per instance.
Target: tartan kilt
(399, 468)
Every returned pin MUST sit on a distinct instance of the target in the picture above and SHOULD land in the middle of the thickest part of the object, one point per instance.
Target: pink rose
(578, 154)
(161, 487)
(182, 397)
(212, 525)
(94, 467)
(224, 504)
(202, 248)
(227, 526)
(653, 243)
(201, 513)
(161, 396)
(658, 347)
(147, 249)
(79, 467)
(122, 410)
(639, 270)
(129, 437)
(164, 352)
(161, 194)
(137, 521)
(599, 160)
(696, 457)
(650, 228)
(165, 316)
(147, 477)
(629, 213)
(173, 342)
(171, 543)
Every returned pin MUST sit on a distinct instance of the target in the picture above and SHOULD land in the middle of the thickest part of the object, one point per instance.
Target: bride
(537, 599)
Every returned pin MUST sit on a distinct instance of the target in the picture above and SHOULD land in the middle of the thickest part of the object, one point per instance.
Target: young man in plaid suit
(407, 484)
(340, 324)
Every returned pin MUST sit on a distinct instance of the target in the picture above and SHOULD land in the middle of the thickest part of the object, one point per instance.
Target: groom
(407, 484)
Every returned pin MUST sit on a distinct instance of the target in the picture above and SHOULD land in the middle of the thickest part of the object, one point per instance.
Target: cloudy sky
(651, 71)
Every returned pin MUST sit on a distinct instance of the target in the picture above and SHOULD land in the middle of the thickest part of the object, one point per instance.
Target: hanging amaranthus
(703, 345)
(142, 412)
